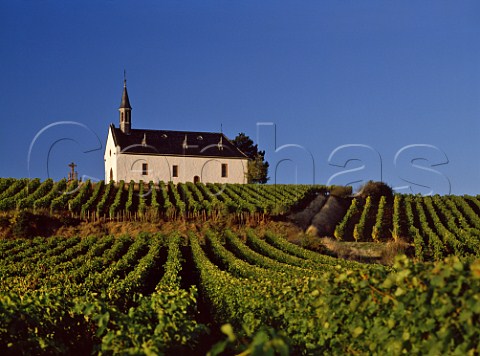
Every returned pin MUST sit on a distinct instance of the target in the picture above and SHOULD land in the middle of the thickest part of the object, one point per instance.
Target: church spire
(125, 109)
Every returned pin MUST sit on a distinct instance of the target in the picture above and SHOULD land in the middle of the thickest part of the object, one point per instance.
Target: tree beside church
(257, 166)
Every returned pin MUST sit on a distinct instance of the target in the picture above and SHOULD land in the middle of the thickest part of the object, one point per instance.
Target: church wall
(209, 170)
(111, 152)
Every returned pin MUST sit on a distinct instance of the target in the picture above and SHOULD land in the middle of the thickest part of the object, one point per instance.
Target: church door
(196, 179)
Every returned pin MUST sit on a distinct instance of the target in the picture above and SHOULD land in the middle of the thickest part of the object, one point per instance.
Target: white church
(177, 156)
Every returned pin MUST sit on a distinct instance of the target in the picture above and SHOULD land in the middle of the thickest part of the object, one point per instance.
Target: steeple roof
(125, 104)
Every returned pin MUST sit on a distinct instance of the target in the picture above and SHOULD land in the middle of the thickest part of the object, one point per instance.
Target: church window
(122, 117)
(224, 170)
(175, 171)
(144, 169)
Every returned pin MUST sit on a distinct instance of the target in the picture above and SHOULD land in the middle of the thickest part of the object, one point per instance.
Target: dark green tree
(257, 166)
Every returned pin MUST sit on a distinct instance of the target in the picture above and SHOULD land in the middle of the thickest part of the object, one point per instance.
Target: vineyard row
(129, 295)
(145, 201)
(435, 226)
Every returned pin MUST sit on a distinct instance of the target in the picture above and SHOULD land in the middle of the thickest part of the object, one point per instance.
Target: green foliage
(9, 203)
(435, 227)
(95, 295)
(28, 201)
(41, 323)
(23, 224)
(115, 206)
(75, 204)
(166, 204)
(166, 200)
(397, 223)
(13, 188)
(435, 246)
(5, 183)
(154, 205)
(176, 199)
(45, 201)
(89, 205)
(379, 227)
(266, 341)
(128, 204)
(359, 229)
(192, 204)
(61, 202)
(342, 225)
(413, 230)
(257, 169)
(257, 166)
(102, 204)
(343, 310)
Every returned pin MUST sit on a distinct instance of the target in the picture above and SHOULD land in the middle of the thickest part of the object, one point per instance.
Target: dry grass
(132, 228)
(369, 252)
(393, 249)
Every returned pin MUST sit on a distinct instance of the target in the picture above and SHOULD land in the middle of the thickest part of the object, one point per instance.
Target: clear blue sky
(383, 75)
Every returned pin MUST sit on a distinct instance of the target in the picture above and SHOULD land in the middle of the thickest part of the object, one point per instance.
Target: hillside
(195, 268)
(428, 228)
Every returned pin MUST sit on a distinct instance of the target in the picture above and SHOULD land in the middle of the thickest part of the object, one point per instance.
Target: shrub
(376, 190)
(23, 224)
(340, 191)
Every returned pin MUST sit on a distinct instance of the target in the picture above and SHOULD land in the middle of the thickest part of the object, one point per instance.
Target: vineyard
(151, 201)
(435, 226)
(227, 280)
(161, 294)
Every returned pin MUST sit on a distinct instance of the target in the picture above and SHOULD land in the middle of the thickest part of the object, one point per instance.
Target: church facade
(165, 155)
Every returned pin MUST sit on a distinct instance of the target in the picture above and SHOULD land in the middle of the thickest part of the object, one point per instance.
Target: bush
(340, 191)
(23, 224)
(376, 190)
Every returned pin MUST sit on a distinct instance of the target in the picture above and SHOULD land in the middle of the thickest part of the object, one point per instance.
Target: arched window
(111, 174)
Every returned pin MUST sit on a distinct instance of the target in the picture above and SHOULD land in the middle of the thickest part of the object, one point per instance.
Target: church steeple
(125, 110)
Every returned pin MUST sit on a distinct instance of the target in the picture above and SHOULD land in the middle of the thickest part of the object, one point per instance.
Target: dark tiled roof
(125, 104)
(183, 143)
